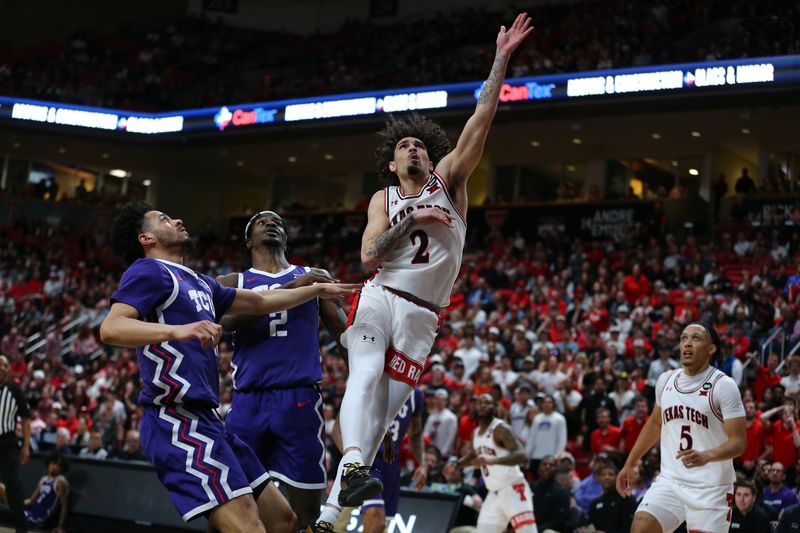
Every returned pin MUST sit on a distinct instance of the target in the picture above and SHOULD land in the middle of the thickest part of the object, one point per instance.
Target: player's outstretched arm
(647, 439)
(457, 166)
(234, 322)
(249, 302)
(122, 327)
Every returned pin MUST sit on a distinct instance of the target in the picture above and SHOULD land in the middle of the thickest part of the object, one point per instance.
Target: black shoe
(357, 485)
(321, 527)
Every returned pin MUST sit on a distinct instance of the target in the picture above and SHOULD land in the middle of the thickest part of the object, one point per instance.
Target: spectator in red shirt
(598, 315)
(446, 337)
(687, 306)
(436, 378)
(466, 423)
(666, 320)
(739, 343)
(632, 426)
(766, 376)
(637, 340)
(558, 330)
(607, 437)
(636, 285)
(755, 438)
(784, 440)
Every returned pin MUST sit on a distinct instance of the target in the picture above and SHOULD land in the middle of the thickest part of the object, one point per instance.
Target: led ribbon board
(685, 78)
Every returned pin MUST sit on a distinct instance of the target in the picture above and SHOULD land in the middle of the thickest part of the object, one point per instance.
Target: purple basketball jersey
(175, 372)
(282, 349)
(40, 509)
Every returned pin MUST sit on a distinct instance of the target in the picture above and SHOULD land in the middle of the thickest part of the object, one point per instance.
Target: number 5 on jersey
(686, 438)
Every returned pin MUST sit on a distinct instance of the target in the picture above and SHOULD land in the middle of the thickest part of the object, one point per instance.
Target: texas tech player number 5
(699, 417)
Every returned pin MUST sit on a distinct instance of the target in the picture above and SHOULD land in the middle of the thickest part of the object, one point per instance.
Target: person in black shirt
(588, 407)
(611, 513)
(550, 499)
(789, 521)
(747, 516)
(13, 404)
(745, 184)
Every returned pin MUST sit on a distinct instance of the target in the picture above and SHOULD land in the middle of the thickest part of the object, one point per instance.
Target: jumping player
(700, 420)
(497, 452)
(414, 238)
(277, 368)
(169, 313)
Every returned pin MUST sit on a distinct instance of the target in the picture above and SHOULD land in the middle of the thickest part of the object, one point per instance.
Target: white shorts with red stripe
(408, 330)
(510, 505)
(705, 509)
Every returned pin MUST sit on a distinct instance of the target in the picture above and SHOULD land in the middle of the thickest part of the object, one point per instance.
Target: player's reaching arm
(647, 439)
(249, 302)
(505, 438)
(122, 326)
(457, 166)
(231, 322)
(330, 310)
(379, 237)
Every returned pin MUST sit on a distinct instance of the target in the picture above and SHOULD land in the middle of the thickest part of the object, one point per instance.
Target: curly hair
(125, 229)
(414, 125)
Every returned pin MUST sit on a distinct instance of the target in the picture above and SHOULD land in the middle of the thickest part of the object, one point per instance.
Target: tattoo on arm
(497, 72)
(382, 243)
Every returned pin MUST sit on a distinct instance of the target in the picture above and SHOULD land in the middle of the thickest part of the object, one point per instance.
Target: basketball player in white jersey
(414, 239)
(700, 420)
(497, 452)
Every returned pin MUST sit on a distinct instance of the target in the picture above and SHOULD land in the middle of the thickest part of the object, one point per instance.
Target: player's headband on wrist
(256, 217)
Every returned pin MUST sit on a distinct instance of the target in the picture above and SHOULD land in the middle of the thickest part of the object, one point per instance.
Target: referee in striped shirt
(12, 405)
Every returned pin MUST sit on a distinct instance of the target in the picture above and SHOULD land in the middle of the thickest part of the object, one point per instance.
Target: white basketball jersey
(495, 477)
(692, 412)
(425, 262)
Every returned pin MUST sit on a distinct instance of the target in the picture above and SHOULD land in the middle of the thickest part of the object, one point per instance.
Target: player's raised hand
(624, 481)
(329, 291)
(205, 331)
(316, 275)
(432, 215)
(509, 40)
